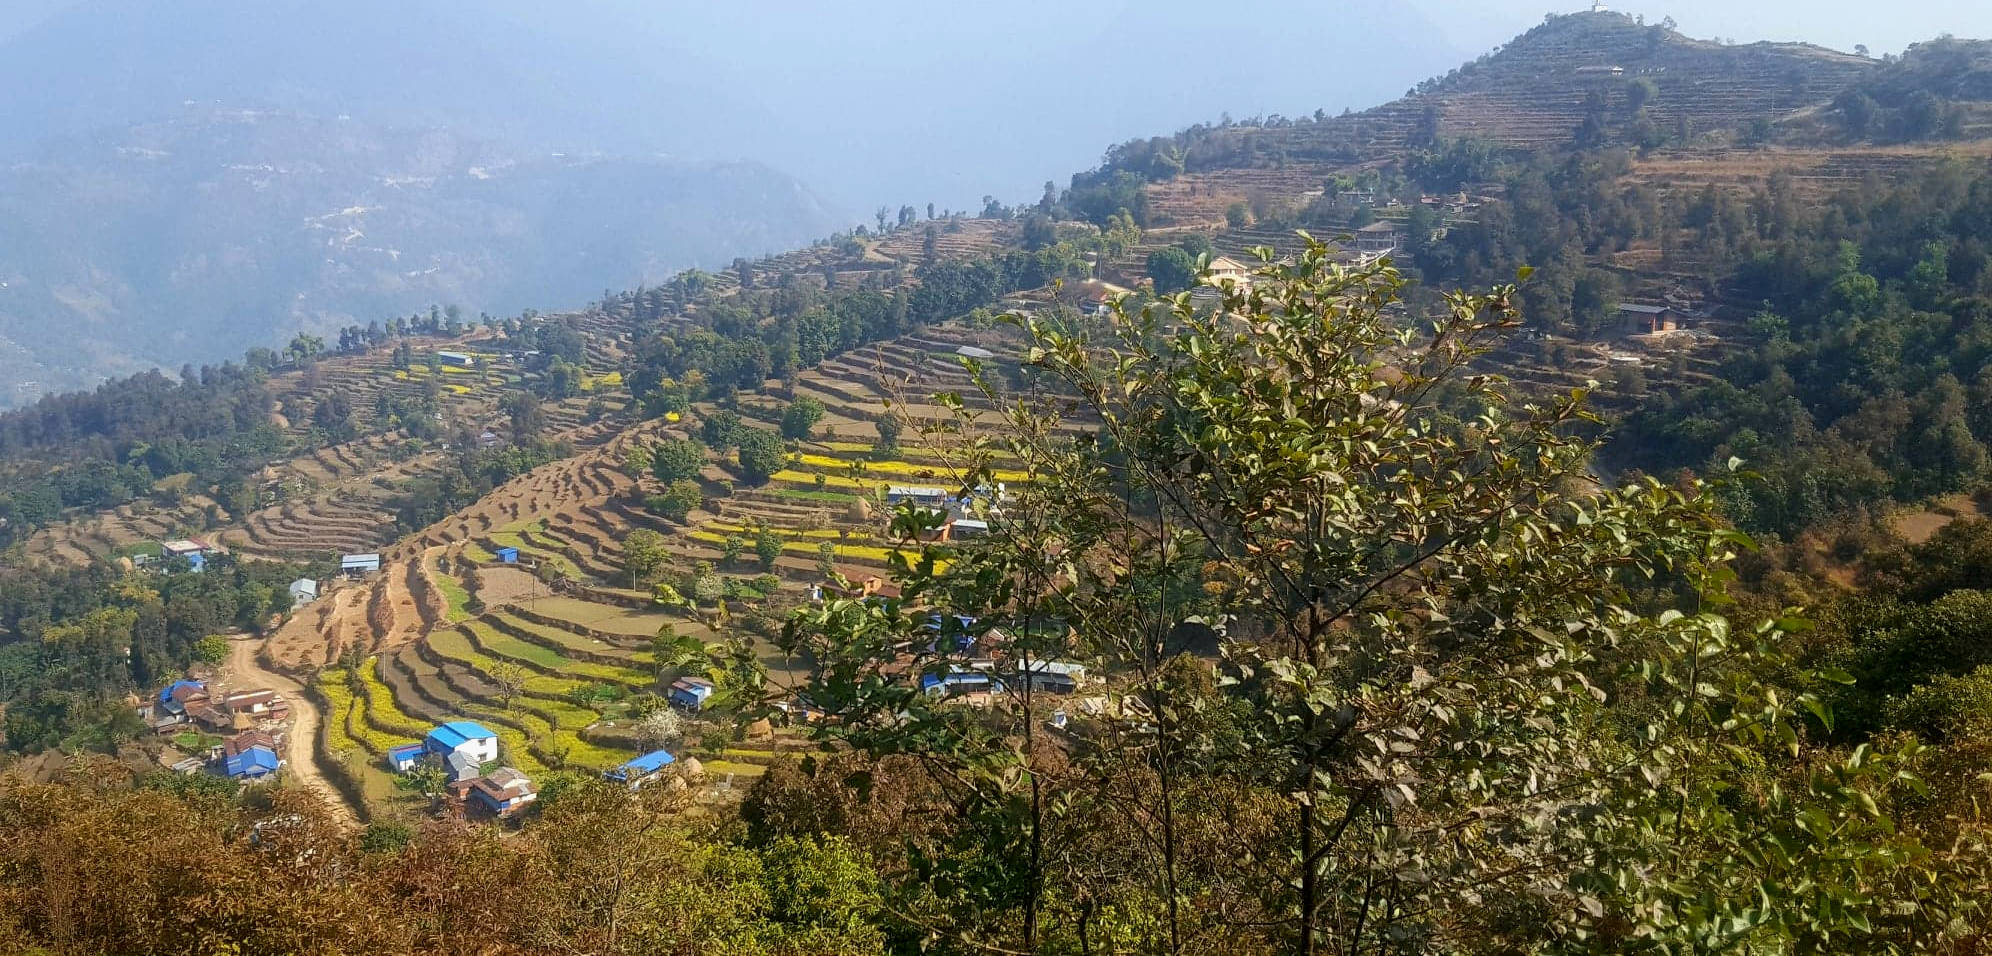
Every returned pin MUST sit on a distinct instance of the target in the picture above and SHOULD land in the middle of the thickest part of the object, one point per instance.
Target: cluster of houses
(463, 750)
(253, 721)
(982, 682)
(984, 671)
(251, 755)
(1455, 205)
(303, 591)
(188, 704)
(1367, 245)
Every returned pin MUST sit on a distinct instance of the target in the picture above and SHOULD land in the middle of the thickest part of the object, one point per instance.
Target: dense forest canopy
(1869, 370)
(75, 641)
(772, 333)
(103, 448)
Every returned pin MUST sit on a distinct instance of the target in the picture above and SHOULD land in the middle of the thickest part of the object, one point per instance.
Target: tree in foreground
(1391, 671)
(90, 869)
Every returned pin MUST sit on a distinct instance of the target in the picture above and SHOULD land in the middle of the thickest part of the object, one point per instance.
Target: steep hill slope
(1591, 78)
(185, 240)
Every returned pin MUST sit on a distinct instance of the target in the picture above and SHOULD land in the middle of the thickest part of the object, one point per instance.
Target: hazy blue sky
(869, 101)
(1886, 26)
(1883, 26)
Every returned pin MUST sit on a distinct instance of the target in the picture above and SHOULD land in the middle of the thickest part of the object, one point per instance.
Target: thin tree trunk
(1152, 660)
(1309, 890)
(1036, 892)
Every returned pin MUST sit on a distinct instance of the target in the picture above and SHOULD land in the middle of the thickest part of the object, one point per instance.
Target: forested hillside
(1817, 217)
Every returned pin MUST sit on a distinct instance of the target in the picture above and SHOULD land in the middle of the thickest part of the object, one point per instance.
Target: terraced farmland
(119, 531)
(549, 651)
(555, 653)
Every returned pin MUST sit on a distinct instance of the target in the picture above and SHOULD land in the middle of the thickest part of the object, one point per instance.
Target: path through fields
(302, 760)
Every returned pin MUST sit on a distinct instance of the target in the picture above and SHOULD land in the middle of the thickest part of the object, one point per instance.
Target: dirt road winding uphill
(301, 760)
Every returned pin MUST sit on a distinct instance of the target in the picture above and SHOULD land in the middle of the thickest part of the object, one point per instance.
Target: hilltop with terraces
(1684, 116)
(1729, 113)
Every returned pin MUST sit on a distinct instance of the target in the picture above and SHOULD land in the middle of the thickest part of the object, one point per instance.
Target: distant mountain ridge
(142, 246)
(193, 239)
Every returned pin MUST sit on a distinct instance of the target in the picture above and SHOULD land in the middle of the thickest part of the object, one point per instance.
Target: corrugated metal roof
(166, 694)
(456, 733)
(253, 762)
(648, 763)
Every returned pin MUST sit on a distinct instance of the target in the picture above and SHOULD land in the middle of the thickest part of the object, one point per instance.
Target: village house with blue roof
(636, 773)
(404, 758)
(460, 747)
(690, 693)
(250, 756)
(173, 697)
(464, 748)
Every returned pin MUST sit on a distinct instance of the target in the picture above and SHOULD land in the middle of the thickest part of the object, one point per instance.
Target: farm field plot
(454, 594)
(351, 751)
(546, 660)
(528, 549)
(898, 470)
(613, 619)
(505, 585)
(455, 647)
(570, 644)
